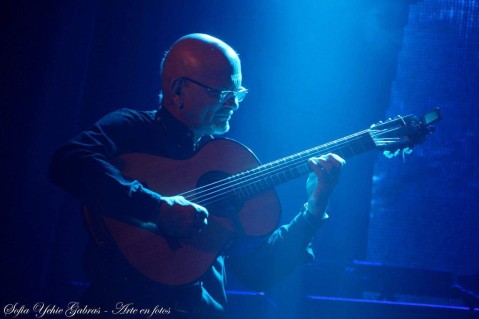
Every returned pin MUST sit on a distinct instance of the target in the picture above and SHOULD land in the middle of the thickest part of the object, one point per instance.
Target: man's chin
(221, 129)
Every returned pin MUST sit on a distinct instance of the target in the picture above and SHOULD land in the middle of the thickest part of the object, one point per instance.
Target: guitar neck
(261, 178)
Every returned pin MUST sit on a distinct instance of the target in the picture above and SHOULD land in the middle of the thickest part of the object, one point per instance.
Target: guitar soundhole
(218, 197)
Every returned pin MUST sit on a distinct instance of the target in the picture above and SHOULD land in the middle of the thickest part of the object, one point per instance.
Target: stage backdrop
(316, 71)
(425, 212)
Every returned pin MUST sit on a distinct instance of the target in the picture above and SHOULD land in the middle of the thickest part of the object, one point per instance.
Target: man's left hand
(326, 170)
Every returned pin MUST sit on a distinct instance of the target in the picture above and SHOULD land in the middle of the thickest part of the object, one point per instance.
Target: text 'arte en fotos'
(44, 310)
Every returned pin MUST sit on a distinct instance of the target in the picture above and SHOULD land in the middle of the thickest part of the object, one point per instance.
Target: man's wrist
(313, 216)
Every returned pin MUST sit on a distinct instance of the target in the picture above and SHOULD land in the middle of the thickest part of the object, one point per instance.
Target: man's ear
(177, 86)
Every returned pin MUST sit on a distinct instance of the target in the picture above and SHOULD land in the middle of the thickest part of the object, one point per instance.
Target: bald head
(203, 58)
(196, 72)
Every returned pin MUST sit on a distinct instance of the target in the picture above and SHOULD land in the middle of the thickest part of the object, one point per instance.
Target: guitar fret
(351, 149)
(276, 179)
(240, 192)
(304, 169)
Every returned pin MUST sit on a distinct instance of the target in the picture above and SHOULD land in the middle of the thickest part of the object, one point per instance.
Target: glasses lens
(228, 95)
(241, 94)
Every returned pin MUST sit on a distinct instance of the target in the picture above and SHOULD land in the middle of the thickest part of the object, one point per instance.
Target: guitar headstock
(403, 132)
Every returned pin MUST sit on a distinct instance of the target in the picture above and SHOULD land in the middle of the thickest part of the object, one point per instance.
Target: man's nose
(232, 102)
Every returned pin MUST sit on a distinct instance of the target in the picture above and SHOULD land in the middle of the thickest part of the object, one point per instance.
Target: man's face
(206, 111)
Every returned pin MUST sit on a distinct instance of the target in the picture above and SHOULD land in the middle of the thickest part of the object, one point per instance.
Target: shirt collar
(177, 132)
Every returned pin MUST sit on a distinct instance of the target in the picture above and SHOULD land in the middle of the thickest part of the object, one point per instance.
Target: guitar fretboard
(266, 176)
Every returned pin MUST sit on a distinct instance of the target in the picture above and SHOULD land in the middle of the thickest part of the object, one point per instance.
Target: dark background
(316, 70)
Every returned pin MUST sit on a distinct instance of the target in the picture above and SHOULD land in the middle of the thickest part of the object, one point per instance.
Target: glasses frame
(223, 95)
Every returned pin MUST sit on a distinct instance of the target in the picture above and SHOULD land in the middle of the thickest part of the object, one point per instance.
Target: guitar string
(262, 183)
(252, 175)
(213, 191)
(374, 133)
(275, 166)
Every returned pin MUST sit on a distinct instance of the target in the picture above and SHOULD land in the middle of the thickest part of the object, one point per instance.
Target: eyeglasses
(224, 96)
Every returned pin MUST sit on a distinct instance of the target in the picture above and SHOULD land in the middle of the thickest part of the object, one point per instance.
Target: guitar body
(176, 262)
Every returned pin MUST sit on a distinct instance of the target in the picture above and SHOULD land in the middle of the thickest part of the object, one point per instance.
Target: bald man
(201, 89)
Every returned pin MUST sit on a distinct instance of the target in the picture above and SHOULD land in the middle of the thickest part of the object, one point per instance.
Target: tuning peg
(390, 154)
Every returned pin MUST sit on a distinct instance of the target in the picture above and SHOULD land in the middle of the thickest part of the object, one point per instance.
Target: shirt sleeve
(261, 265)
(83, 167)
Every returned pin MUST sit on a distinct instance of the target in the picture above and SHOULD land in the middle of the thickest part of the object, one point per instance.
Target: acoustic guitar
(225, 177)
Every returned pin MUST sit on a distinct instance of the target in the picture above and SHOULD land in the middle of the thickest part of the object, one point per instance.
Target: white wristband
(308, 211)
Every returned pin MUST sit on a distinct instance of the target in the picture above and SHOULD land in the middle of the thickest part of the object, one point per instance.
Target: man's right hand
(181, 218)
